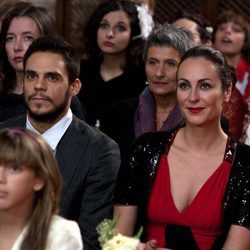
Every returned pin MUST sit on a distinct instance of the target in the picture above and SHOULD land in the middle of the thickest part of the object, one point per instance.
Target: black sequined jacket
(137, 175)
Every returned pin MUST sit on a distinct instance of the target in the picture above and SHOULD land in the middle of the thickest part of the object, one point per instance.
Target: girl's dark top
(137, 174)
(98, 95)
(12, 105)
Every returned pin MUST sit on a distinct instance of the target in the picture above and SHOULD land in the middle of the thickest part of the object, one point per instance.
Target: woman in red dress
(189, 188)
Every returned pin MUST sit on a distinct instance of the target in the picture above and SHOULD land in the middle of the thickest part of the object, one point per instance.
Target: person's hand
(150, 245)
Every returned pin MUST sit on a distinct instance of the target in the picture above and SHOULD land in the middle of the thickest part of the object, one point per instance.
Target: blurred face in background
(21, 33)
(161, 67)
(191, 26)
(114, 33)
(229, 38)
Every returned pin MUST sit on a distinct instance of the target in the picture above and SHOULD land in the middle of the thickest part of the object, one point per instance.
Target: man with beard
(89, 160)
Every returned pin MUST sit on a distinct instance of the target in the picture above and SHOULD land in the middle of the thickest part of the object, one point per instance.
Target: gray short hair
(170, 36)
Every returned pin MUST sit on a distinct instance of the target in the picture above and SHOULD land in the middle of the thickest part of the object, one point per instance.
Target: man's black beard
(49, 116)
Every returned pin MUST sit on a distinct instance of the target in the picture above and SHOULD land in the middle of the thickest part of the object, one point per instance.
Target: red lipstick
(195, 110)
(108, 44)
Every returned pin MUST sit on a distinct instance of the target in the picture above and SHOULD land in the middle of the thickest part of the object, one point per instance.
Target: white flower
(209, 29)
(145, 20)
(111, 240)
(121, 242)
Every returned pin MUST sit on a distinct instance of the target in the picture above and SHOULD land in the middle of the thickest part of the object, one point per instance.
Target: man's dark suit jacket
(89, 162)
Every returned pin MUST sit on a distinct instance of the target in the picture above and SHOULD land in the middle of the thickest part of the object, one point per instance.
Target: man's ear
(75, 87)
(228, 92)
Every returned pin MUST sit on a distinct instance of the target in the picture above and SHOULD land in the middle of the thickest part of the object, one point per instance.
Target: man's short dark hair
(57, 45)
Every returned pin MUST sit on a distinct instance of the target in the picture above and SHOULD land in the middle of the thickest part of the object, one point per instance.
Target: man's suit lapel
(69, 152)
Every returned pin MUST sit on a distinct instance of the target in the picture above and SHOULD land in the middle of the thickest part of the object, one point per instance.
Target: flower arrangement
(111, 240)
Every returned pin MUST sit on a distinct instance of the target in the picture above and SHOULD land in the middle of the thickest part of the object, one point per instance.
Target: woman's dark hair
(91, 49)
(46, 27)
(203, 26)
(231, 16)
(226, 71)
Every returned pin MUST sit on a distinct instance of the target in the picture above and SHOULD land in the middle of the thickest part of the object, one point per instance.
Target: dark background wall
(165, 9)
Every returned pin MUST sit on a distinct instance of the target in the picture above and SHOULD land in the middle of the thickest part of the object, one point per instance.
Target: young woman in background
(21, 26)
(113, 68)
(232, 37)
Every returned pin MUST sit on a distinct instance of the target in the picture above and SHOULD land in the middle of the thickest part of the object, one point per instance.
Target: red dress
(204, 215)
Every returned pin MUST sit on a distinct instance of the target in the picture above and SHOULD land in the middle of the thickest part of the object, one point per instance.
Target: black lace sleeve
(237, 204)
(131, 178)
(138, 170)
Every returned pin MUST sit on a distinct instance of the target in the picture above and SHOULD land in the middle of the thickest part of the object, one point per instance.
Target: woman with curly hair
(112, 69)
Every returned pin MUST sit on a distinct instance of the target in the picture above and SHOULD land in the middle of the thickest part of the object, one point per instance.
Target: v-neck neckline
(227, 157)
(199, 193)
